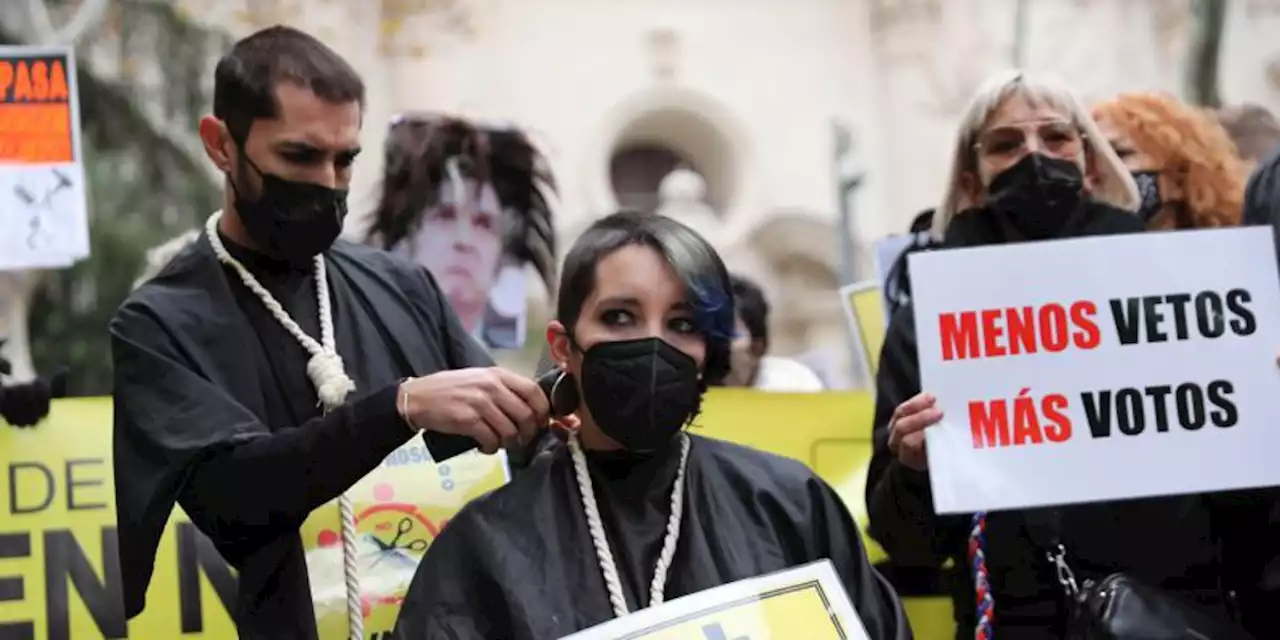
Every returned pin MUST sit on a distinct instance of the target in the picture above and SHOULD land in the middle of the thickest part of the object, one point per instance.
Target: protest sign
(805, 602)
(887, 251)
(864, 314)
(1100, 368)
(43, 214)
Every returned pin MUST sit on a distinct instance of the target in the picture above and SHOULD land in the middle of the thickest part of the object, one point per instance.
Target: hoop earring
(563, 395)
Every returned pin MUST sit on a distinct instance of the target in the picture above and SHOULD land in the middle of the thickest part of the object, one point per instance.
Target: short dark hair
(707, 285)
(245, 80)
(418, 146)
(753, 308)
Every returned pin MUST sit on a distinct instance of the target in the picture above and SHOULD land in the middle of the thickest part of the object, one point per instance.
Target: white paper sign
(43, 213)
(1100, 369)
(805, 602)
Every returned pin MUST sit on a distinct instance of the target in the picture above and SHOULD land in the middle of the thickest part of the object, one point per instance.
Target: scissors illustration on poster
(40, 208)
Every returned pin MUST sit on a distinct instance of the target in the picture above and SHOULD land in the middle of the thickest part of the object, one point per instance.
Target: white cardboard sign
(1099, 369)
(805, 602)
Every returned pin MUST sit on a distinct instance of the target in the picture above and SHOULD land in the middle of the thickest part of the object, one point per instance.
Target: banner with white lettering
(1100, 369)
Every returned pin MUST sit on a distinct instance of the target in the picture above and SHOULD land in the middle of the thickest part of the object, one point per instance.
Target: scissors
(406, 525)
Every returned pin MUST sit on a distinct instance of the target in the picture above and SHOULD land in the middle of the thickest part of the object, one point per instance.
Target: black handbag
(1120, 607)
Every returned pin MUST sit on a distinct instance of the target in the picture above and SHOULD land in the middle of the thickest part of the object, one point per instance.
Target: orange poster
(35, 109)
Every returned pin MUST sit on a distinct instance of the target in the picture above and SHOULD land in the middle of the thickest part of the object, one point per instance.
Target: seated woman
(632, 510)
(1031, 164)
(1182, 158)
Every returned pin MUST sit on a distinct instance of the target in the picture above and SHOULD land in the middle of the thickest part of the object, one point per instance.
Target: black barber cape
(214, 410)
(518, 564)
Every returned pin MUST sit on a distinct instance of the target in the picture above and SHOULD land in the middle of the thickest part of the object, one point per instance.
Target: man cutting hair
(269, 366)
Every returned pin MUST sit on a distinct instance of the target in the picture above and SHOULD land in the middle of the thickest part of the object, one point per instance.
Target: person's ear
(759, 348)
(214, 136)
(559, 344)
(971, 187)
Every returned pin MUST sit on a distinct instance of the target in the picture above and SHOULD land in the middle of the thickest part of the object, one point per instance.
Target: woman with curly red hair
(1182, 158)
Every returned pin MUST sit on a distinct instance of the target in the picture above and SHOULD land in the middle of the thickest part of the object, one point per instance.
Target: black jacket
(1262, 196)
(1180, 543)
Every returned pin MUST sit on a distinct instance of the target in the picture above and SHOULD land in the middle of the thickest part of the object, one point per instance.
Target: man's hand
(489, 405)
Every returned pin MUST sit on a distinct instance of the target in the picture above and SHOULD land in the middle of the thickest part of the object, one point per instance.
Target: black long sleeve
(899, 501)
(837, 539)
(179, 436)
(267, 484)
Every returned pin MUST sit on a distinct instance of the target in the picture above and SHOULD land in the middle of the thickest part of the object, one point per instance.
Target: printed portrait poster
(805, 602)
(43, 214)
(1101, 368)
(482, 219)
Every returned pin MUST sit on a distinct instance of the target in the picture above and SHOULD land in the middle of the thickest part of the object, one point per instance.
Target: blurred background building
(718, 112)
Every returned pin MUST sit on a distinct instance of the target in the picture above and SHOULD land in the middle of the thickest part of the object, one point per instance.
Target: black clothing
(214, 410)
(1179, 543)
(1262, 196)
(519, 563)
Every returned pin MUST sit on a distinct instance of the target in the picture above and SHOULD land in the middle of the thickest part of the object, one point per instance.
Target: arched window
(635, 171)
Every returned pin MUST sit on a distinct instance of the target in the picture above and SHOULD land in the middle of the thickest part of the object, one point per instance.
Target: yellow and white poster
(863, 305)
(400, 508)
(805, 602)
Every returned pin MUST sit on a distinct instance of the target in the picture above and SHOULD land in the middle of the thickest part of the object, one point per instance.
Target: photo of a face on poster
(469, 202)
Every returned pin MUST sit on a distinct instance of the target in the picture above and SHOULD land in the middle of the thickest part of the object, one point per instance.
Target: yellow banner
(59, 576)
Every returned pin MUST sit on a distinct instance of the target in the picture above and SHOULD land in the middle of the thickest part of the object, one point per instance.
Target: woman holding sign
(632, 511)
(1031, 164)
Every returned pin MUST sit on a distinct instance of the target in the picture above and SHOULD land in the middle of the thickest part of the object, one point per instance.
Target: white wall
(771, 74)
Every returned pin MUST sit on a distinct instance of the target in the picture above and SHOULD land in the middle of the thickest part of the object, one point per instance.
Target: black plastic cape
(519, 564)
(214, 410)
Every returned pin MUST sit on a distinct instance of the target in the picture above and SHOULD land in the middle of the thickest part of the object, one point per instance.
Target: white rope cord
(328, 374)
(601, 542)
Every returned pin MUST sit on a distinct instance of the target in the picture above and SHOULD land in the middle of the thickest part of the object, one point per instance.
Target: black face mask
(640, 392)
(1149, 188)
(1037, 195)
(293, 221)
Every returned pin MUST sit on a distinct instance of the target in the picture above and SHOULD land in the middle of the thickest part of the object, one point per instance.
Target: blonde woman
(1029, 164)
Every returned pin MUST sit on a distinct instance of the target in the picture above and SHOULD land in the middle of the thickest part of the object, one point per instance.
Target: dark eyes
(481, 220)
(624, 318)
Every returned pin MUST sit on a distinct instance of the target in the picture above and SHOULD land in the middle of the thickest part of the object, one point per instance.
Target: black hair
(897, 286)
(752, 307)
(416, 152)
(245, 80)
(708, 287)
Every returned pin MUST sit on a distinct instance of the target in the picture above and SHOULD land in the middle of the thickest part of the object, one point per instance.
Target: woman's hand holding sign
(906, 429)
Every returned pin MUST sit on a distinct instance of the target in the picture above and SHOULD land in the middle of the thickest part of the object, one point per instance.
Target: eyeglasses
(1057, 137)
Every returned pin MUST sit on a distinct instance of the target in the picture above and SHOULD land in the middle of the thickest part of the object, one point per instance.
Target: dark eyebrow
(300, 147)
(620, 301)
